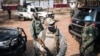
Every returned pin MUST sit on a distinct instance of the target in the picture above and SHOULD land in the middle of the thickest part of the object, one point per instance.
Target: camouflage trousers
(87, 52)
(35, 48)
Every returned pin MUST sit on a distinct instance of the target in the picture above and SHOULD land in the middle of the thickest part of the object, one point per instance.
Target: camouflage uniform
(54, 41)
(88, 36)
(36, 28)
(59, 46)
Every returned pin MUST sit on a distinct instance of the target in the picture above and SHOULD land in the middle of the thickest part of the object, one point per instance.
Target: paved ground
(63, 20)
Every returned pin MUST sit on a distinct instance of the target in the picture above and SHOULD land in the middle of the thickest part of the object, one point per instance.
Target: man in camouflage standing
(35, 28)
(73, 6)
(54, 41)
(88, 36)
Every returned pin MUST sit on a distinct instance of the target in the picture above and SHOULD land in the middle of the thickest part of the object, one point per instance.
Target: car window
(24, 10)
(98, 16)
(80, 14)
(39, 9)
(32, 10)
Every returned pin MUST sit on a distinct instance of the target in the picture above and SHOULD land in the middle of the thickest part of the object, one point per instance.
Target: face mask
(52, 29)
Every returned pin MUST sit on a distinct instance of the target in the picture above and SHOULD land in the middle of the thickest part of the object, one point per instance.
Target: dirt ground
(63, 20)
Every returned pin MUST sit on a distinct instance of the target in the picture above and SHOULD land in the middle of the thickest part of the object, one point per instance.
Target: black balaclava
(52, 27)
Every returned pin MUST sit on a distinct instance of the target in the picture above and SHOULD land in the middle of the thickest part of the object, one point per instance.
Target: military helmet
(49, 21)
(88, 18)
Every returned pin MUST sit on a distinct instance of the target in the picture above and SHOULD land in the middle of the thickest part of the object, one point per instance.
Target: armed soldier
(54, 41)
(36, 26)
(88, 36)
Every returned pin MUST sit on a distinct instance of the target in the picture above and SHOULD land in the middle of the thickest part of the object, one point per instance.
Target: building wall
(44, 4)
(1, 3)
(50, 4)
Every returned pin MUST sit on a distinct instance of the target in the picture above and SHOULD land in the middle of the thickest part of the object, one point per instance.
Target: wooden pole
(39, 2)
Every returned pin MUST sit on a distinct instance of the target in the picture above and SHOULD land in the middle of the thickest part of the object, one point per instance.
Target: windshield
(80, 14)
(39, 9)
(8, 31)
(22, 9)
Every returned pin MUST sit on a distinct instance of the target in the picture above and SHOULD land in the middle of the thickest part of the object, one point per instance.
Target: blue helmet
(88, 18)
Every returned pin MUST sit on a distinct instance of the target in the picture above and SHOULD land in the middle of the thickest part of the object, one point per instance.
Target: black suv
(77, 21)
(12, 41)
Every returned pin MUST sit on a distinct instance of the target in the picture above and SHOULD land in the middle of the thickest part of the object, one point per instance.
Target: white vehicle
(27, 13)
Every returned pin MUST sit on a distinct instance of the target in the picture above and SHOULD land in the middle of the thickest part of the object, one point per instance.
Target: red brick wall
(60, 5)
(13, 7)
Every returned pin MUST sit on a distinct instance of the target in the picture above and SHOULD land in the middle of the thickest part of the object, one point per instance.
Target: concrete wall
(1, 3)
(44, 4)
(50, 4)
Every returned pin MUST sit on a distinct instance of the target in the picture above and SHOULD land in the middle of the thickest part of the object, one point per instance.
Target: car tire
(23, 19)
(42, 19)
(19, 17)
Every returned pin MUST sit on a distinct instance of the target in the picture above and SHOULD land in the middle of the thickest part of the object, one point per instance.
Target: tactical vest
(88, 29)
(37, 27)
(56, 39)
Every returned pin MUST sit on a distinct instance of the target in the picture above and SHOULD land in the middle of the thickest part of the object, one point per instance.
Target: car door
(78, 19)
